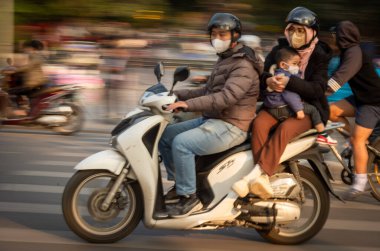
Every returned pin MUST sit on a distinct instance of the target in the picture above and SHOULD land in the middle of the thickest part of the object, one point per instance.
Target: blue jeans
(181, 142)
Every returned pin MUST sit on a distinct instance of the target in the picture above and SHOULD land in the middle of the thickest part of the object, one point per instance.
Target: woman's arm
(315, 83)
(269, 61)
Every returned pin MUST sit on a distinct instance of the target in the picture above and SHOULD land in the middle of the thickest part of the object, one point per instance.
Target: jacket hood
(248, 52)
(347, 35)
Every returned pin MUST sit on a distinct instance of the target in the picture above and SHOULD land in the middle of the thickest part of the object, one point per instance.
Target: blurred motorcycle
(54, 107)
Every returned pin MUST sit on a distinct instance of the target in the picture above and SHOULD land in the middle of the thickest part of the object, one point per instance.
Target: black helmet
(225, 21)
(303, 16)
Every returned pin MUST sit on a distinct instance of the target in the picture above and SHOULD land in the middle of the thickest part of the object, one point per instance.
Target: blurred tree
(268, 16)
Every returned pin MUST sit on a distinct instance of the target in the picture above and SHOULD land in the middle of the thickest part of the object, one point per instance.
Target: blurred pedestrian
(112, 69)
(254, 42)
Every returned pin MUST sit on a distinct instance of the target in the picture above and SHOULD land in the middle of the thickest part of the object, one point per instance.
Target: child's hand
(300, 114)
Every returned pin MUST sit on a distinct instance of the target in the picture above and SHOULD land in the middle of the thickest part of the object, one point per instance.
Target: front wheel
(314, 213)
(82, 200)
(75, 119)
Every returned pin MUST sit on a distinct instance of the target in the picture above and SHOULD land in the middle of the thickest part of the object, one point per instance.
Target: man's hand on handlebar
(177, 107)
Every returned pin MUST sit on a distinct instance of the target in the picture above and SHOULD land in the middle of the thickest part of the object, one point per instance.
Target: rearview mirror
(181, 74)
(159, 71)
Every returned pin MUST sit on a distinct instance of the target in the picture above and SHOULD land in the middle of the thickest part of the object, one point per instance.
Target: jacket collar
(228, 53)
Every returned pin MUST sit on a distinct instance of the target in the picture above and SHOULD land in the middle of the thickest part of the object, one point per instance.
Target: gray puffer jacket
(232, 89)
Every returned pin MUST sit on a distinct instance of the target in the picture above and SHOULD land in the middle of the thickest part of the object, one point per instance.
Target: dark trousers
(267, 149)
(285, 112)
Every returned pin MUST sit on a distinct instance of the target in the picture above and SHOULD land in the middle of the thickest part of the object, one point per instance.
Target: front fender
(109, 160)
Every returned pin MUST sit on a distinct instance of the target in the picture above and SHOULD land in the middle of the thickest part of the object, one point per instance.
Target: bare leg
(358, 141)
(340, 110)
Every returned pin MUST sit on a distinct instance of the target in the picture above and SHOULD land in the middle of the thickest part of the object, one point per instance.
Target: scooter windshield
(155, 89)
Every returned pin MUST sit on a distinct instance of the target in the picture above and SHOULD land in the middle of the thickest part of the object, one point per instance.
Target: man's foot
(326, 140)
(261, 187)
(186, 205)
(171, 196)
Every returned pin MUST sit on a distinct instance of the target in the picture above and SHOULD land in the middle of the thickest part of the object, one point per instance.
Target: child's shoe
(326, 140)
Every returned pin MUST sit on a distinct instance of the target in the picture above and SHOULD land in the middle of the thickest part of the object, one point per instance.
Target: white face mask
(220, 45)
(293, 69)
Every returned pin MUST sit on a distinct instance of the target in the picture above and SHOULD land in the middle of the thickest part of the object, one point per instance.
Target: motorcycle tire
(289, 234)
(75, 121)
(373, 170)
(85, 217)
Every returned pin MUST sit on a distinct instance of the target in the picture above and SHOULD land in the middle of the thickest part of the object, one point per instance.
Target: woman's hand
(277, 83)
(177, 106)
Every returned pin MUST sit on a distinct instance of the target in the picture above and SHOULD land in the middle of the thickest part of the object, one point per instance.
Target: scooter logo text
(226, 165)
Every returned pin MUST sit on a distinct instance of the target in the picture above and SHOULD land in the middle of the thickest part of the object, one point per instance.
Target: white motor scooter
(114, 189)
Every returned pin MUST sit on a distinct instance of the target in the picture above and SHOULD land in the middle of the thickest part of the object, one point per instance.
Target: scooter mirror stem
(171, 90)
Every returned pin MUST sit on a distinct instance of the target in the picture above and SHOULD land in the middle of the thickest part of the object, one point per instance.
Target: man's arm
(185, 94)
(237, 85)
(350, 65)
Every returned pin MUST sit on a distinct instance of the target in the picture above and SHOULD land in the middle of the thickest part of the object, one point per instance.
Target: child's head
(288, 59)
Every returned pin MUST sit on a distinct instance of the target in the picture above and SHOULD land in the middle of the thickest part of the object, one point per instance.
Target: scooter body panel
(132, 143)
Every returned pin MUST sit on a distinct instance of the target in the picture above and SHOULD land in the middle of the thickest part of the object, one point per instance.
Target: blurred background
(108, 44)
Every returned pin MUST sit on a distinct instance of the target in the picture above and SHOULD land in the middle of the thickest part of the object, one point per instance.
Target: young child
(284, 104)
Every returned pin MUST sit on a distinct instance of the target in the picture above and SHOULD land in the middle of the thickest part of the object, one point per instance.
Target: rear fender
(315, 159)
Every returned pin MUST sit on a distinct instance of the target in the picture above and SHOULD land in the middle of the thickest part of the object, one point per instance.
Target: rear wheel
(82, 200)
(373, 170)
(314, 213)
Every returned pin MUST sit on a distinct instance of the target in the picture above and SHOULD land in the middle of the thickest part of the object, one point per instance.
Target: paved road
(35, 166)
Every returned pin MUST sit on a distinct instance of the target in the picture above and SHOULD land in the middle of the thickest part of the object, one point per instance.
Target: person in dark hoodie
(301, 33)
(227, 104)
(357, 69)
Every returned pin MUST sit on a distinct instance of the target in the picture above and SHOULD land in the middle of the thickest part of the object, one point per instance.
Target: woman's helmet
(225, 21)
(303, 16)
